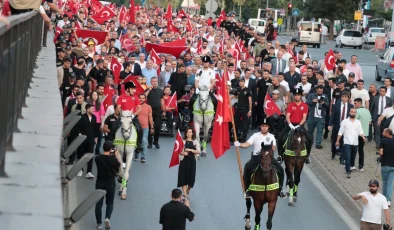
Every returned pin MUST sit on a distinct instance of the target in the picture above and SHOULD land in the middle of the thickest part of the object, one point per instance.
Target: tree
(331, 10)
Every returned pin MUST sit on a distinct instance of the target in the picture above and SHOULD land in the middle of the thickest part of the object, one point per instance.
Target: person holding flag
(296, 115)
(274, 108)
(263, 136)
(170, 103)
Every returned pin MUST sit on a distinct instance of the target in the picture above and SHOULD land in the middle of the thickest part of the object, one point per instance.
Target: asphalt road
(217, 197)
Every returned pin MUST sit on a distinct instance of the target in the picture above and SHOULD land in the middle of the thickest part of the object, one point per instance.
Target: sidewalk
(332, 175)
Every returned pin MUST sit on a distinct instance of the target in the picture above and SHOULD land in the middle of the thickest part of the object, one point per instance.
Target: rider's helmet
(206, 59)
(129, 85)
(299, 91)
(264, 122)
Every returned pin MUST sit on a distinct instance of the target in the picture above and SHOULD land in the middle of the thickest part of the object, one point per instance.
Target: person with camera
(243, 110)
(108, 166)
(386, 147)
(173, 215)
(373, 204)
(318, 108)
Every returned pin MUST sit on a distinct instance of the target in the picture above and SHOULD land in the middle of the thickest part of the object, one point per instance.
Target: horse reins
(123, 131)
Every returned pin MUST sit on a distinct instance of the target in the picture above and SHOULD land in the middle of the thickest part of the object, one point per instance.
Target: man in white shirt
(360, 92)
(350, 129)
(324, 33)
(141, 61)
(258, 140)
(287, 69)
(373, 204)
(305, 85)
(306, 54)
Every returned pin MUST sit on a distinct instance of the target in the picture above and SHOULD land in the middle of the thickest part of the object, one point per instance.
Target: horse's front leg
(248, 225)
(297, 177)
(129, 157)
(258, 208)
(289, 173)
(197, 132)
(271, 211)
(206, 128)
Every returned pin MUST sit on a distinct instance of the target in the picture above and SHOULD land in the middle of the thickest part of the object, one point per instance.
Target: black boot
(137, 126)
(246, 185)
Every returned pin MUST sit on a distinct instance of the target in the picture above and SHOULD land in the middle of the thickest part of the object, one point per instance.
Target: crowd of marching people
(111, 58)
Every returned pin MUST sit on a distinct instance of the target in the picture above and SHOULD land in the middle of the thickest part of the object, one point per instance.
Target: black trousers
(109, 201)
(86, 147)
(259, 113)
(157, 117)
(44, 36)
(254, 162)
(361, 144)
(255, 115)
(334, 136)
(276, 125)
(287, 129)
(137, 126)
(241, 120)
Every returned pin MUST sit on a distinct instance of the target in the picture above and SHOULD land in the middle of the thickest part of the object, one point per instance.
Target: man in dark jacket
(178, 81)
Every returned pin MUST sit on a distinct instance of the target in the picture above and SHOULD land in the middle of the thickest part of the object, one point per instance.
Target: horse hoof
(123, 196)
(120, 193)
(291, 204)
(295, 199)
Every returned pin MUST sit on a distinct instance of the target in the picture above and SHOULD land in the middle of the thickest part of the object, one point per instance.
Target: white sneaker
(107, 224)
(352, 168)
(89, 175)
(80, 173)
(99, 227)
(361, 170)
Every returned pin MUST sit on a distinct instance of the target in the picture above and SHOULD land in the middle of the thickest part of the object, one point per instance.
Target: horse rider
(296, 115)
(129, 102)
(206, 76)
(256, 140)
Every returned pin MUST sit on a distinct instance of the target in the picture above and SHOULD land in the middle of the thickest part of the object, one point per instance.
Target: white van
(309, 33)
(257, 24)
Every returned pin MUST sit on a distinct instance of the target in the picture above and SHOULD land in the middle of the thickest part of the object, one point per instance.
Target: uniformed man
(61, 55)
(270, 29)
(296, 115)
(336, 94)
(129, 102)
(111, 122)
(243, 109)
(256, 140)
(204, 77)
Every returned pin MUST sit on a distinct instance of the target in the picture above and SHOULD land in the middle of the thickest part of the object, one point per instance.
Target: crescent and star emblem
(105, 14)
(329, 60)
(266, 104)
(177, 145)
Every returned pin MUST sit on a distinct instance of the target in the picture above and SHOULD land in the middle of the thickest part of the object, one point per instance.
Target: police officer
(340, 81)
(238, 28)
(204, 77)
(111, 122)
(243, 109)
(229, 24)
(296, 115)
(256, 140)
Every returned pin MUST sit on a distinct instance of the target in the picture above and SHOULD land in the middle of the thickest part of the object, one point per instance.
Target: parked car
(372, 33)
(385, 65)
(352, 38)
(309, 33)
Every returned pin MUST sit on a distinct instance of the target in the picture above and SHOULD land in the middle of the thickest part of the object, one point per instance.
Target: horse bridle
(129, 130)
(203, 101)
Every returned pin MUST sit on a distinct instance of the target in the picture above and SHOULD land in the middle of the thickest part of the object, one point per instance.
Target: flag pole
(235, 138)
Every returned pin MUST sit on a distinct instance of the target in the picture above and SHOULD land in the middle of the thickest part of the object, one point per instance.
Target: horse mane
(126, 113)
(203, 88)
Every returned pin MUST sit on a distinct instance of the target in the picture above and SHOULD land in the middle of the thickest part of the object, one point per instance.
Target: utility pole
(267, 3)
(392, 17)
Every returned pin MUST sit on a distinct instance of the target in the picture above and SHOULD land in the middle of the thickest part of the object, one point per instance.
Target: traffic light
(289, 9)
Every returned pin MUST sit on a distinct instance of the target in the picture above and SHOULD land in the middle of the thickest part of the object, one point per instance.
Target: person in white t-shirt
(387, 113)
(324, 34)
(305, 85)
(373, 204)
(360, 92)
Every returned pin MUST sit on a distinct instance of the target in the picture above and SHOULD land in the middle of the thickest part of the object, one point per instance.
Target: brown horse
(264, 188)
(294, 158)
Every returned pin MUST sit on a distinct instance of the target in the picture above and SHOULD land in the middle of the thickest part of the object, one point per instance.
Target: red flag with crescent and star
(220, 142)
(221, 18)
(181, 14)
(270, 108)
(116, 67)
(57, 33)
(168, 14)
(155, 58)
(178, 147)
(329, 61)
(105, 14)
(97, 36)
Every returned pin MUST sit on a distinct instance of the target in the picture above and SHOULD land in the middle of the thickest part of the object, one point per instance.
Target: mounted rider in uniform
(296, 115)
(129, 102)
(256, 140)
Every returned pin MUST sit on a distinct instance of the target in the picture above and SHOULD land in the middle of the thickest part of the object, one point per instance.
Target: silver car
(385, 65)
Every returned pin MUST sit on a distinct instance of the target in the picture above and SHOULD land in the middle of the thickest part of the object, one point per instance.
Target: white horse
(125, 141)
(203, 112)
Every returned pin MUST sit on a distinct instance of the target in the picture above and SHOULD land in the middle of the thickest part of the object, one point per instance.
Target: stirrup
(279, 159)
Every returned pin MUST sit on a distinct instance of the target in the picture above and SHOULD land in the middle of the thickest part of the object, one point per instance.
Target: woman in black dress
(187, 165)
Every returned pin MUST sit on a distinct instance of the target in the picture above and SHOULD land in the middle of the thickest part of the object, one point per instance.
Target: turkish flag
(220, 142)
(329, 61)
(105, 14)
(181, 14)
(189, 27)
(78, 25)
(57, 33)
(127, 43)
(199, 46)
(138, 88)
(173, 102)
(155, 58)
(270, 108)
(122, 14)
(132, 12)
(221, 18)
(98, 36)
(109, 92)
(94, 4)
(243, 49)
(171, 27)
(173, 50)
(176, 43)
(168, 14)
(178, 148)
(116, 68)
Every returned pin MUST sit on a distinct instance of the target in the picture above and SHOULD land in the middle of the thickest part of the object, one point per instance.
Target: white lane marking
(331, 200)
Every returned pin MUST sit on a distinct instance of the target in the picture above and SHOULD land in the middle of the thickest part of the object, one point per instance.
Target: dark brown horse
(264, 188)
(294, 158)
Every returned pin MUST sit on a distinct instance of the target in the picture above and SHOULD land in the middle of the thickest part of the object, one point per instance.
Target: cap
(129, 85)
(351, 74)
(91, 43)
(62, 41)
(298, 91)
(264, 122)
(275, 91)
(61, 50)
(206, 59)
(68, 48)
(294, 40)
(374, 182)
(340, 80)
(72, 75)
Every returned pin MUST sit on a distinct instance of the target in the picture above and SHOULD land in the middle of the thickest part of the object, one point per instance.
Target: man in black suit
(87, 126)
(178, 81)
(136, 68)
(378, 105)
(251, 85)
(340, 111)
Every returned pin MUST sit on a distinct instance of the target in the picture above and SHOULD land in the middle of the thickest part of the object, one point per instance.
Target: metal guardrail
(19, 48)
